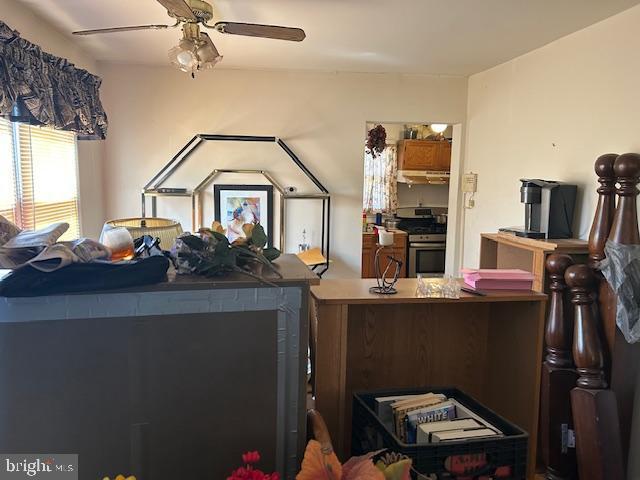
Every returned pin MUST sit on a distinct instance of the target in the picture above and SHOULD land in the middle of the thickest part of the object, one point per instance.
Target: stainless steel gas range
(427, 235)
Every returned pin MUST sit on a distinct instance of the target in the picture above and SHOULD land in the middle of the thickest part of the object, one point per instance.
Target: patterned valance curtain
(41, 89)
(380, 181)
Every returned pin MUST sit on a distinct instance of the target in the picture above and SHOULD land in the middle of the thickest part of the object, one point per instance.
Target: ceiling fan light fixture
(208, 54)
(196, 50)
(184, 56)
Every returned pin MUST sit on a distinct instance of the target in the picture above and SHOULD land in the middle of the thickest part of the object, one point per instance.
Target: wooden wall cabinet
(397, 250)
(428, 155)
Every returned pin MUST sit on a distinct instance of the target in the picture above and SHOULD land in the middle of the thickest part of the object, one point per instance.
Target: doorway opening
(411, 188)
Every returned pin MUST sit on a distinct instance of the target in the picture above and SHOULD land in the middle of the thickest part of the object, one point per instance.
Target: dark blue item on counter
(378, 219)
(27, 281)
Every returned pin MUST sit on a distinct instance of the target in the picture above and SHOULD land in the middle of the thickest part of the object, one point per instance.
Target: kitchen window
(380, 181)
(38, 177)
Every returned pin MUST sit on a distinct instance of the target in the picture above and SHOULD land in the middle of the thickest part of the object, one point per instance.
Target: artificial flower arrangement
(210, 254)
(321, 465)
(249, 471)
(376, 140)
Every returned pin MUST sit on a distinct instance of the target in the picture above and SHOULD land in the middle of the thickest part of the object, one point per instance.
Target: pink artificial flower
(247, 472)
(251, 457)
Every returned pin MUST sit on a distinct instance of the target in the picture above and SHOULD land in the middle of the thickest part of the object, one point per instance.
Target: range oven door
(427, 259)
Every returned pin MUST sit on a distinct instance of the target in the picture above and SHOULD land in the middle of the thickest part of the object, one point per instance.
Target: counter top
(180, 294)
(290, 267)
(395, 231)
(356, 291)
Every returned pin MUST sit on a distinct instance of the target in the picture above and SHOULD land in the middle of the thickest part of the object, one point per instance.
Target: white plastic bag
(621, 268)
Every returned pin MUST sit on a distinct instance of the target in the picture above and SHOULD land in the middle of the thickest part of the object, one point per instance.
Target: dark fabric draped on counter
(41, 89)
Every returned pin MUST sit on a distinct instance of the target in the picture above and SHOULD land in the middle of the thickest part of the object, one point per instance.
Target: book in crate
(497, 456)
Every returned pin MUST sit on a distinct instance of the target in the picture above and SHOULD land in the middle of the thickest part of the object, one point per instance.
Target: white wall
(322, 116)
(426, 195)
(39, 31)
(550, 114)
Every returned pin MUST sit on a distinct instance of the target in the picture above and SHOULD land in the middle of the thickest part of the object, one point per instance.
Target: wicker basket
(163, 228)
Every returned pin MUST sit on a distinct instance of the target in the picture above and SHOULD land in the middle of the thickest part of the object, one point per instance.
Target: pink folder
(498, 279)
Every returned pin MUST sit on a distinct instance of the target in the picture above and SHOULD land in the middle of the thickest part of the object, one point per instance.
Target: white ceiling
(457, 37)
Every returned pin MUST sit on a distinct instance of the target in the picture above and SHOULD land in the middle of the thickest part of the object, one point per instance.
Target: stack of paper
(498, 279)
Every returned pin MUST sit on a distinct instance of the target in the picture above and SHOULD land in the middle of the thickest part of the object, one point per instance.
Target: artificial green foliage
(210, 253)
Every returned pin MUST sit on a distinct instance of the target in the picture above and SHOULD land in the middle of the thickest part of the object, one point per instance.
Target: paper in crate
(498, 279)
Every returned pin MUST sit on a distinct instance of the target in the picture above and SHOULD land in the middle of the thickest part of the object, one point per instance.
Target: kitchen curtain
(41, 89)
(380, 181)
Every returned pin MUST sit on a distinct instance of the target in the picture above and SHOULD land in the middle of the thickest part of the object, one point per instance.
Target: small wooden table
(504, 250)
(490, 347)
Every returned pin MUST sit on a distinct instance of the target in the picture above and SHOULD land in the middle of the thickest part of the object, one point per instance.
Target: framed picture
(236, 205)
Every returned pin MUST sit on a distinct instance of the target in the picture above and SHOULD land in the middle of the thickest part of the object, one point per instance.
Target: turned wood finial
(320, 432)
(559, 330)
(587, 347)
(625, 223)
(605, 210)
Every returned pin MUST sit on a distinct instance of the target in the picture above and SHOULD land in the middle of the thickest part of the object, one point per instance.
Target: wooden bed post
(605, 210)
(558, 378)
(602, 418)
(587, 348)
(595, 411)
(625, 222)
(625, 357)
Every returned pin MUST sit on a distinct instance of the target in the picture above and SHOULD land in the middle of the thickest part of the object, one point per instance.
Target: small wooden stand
(503, 250)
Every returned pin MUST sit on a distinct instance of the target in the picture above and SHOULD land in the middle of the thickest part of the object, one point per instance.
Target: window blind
(7, 173)
(43, 171)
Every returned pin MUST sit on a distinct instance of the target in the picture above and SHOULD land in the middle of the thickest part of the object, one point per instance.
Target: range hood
(423, 177)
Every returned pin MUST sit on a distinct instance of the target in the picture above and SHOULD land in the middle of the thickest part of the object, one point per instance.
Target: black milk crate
(370, 434)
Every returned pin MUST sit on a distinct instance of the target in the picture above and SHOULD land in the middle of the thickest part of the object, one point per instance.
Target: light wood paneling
(513, 369)
(331, 368)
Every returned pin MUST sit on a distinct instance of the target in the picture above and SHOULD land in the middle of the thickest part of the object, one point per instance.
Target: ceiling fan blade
(264, 31)
(121, 29)
(178, 9)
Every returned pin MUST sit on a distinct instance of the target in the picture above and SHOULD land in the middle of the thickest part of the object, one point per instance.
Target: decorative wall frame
(235, 205)
(154, 187)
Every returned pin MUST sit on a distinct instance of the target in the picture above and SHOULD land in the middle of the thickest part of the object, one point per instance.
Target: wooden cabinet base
(488, 347)
(555, 409)
(398, 251)
(600, 456)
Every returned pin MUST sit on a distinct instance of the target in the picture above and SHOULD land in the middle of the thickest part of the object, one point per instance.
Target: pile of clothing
(40, 264)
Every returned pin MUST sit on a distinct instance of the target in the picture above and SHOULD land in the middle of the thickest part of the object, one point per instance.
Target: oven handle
(428, 246)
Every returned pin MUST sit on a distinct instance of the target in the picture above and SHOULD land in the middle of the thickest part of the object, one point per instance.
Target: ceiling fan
(196, 50)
